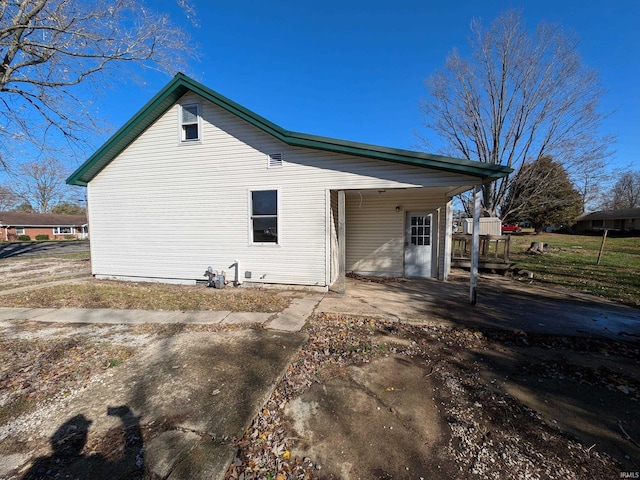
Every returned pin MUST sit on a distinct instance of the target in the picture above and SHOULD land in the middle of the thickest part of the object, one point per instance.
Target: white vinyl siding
(162, 211)
(376, 230)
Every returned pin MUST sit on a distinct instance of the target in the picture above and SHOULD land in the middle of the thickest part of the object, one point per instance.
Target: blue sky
(354, 69)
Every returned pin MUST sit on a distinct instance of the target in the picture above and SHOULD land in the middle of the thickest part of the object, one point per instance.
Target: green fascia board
(407, 157)
(181, 84)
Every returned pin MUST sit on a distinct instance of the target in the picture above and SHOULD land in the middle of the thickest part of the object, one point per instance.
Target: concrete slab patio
(502, 303)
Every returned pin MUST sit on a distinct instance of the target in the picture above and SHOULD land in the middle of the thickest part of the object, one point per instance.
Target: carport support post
(475, 244)
(342, 251)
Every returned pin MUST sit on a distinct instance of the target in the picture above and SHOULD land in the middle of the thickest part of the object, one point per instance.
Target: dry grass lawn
(147, 296)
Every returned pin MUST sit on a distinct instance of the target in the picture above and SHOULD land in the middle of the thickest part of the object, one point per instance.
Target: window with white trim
(190, 123)
(264, 216)
(63, 230)
(19, 230)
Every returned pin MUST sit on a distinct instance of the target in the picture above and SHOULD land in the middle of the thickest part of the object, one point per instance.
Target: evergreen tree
(543, 195)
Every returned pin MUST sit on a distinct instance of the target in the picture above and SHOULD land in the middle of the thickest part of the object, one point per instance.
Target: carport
(398, 232)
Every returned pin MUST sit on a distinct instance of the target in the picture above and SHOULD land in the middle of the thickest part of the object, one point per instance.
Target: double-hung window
(19, 230)
(63, 230)
(190, 123)
(264, 216)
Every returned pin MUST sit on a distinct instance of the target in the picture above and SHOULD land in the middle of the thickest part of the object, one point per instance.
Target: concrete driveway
(502, 303)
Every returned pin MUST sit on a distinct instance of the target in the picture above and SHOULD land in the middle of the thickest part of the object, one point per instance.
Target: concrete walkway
(291, 319)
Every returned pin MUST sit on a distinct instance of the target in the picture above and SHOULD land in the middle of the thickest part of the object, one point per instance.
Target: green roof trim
(181, 84)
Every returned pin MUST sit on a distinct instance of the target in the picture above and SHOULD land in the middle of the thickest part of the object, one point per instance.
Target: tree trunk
(536, 248)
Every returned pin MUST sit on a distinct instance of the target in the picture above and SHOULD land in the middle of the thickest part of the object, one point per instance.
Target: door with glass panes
(417, 250)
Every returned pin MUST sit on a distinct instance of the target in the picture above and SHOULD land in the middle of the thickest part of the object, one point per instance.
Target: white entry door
(417, 251)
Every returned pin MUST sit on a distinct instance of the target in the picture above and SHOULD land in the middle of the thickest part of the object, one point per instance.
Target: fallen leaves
(37, 369)
(492, 432)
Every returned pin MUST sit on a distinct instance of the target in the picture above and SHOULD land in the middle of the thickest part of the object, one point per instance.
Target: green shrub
(24, 238)
(42, 237)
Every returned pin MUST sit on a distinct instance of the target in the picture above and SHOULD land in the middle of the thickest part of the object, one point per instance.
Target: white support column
(475, 244)
(448, 231)
(342, 254)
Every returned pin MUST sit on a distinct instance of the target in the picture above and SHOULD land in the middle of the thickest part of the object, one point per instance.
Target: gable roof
(612, 214)
(182, 84)
(21, 219)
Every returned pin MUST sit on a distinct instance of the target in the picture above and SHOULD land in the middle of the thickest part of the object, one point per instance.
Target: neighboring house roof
(182, 84)
(21, 219)
(611, 215)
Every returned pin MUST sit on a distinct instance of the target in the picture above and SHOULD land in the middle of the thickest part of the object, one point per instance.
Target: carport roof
(181, 84)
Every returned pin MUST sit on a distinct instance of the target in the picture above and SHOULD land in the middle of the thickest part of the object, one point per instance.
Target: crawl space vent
(275, 160)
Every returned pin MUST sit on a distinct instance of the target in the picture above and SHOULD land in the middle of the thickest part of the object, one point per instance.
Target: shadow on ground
(22, 249)
(182, 400)
(69, 457)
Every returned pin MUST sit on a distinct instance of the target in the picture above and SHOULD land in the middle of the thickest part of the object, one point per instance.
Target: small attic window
(274, 160)
(190, 123)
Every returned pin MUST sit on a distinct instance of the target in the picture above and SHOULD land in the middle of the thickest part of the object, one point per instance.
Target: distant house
(621, 220)
(195, 180)
(57, 227)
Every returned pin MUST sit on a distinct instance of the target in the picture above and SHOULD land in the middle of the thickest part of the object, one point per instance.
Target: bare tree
(625, 192)
(8, 199)
(54, 55)
(41, 184)
(519, 97)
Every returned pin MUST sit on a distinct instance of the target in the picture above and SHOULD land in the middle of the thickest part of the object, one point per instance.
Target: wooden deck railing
(493, 249)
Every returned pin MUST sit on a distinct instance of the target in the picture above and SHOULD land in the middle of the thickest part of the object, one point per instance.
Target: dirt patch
(362, 398)
(131, 402)
(22, 272)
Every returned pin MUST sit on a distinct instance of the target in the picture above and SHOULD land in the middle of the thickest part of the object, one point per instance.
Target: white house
(196, 180)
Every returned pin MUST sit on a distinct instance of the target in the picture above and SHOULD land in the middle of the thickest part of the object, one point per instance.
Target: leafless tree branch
(56, 55)
(519, 97)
